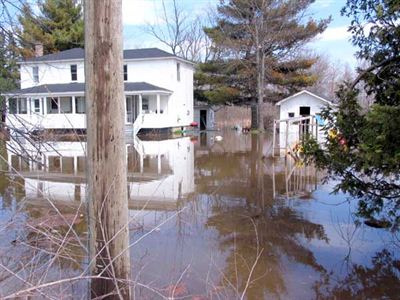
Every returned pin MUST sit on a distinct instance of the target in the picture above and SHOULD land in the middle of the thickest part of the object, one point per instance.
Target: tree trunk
(106, 152)
(260, 88)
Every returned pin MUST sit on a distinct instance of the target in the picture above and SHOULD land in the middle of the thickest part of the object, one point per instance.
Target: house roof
(80, 88)
(305, 92)
(79, 54)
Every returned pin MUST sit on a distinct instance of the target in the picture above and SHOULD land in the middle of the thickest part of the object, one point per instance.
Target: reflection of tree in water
(37, 242)
(279, 230)
(380, 281)
(245, 214)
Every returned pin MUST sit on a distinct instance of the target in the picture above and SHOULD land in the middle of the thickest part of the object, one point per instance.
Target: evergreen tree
(362, 149)
(256, 45)
(9, 73)
(58, 26)
(8, 62)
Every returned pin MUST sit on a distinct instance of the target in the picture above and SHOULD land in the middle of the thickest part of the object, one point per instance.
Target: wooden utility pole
(106, 160)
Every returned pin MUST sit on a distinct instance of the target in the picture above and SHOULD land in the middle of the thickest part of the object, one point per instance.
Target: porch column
(29, 105)
(9, 159)
(158, 103)
(141, 163)
(75, 165)
(44, 105)
(140, 104)
(7, 106)
(73, 105)
(159, 164)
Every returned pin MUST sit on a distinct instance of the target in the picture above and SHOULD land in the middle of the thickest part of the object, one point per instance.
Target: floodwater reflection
(213, 219)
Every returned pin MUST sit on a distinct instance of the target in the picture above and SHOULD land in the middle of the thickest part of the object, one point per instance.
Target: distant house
(158, 91)
(298, 114)
(301, 104)
(204, 116)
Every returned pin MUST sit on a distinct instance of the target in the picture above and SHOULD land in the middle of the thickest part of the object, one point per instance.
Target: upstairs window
(35, 74)
(74, 73)
(125, 72)
(178, 71)
(291, 115)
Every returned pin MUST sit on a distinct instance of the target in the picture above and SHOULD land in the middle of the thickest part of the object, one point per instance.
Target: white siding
(50, 73)
(293, 105)
(178, 107)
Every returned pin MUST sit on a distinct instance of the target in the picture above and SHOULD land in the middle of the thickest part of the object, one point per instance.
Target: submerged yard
(208, 220)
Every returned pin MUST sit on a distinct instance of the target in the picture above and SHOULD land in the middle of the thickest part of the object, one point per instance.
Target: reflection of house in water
(159, 172)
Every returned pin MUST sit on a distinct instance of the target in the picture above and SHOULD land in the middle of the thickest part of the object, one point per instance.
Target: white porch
(63, 106)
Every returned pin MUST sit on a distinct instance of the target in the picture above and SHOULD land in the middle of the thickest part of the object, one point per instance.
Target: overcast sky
(334, 42)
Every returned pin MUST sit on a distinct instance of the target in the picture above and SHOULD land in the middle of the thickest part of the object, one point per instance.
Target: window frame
(64, 98)
(20, 101)
(36, 110)
(74, 72)
(35, 74)
(77, 99)
(178, 71)
(50, 103)
(125, 72)
(14, 106)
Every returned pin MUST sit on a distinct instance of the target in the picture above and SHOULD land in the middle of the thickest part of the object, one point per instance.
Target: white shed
(204, 116)
(297, 116)
(301, 104)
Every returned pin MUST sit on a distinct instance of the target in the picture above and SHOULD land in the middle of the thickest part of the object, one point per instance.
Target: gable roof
(79, 87)
(305, 92)
(79, 54)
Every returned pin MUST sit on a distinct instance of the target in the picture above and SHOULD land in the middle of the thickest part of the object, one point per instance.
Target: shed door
(203, 119)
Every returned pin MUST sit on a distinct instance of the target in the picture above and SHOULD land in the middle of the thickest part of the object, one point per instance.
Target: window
(80, 105)
(35, 74)
(125, 72)
(74, 73)
(36, 105)
(12, 106)
(17, 106)
(22, 106)
(66, 105)
(291, 114)
(52, 105)
(178, 71)
(145, 105)
(54, 164)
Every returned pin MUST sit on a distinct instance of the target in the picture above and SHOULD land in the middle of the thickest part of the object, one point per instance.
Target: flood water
(209, 220)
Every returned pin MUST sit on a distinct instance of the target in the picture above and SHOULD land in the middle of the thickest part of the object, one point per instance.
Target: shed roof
(79, 87)
(305, 92)
(79, 53)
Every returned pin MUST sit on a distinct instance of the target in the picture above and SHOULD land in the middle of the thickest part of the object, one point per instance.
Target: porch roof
(79, 88)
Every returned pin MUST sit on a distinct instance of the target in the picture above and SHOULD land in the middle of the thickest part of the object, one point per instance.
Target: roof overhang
(308, 93)
(78, 89)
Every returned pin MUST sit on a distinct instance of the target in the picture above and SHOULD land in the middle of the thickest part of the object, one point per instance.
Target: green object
(362, 149)
(58, 26)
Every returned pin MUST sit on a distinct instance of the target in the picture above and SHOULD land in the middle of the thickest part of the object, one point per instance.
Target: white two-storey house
(158, 91)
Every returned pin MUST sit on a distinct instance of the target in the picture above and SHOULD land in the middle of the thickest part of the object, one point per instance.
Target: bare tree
(183, 35)
(106, 152)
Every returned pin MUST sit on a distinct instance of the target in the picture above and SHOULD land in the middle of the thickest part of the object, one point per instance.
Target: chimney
(38, 49)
